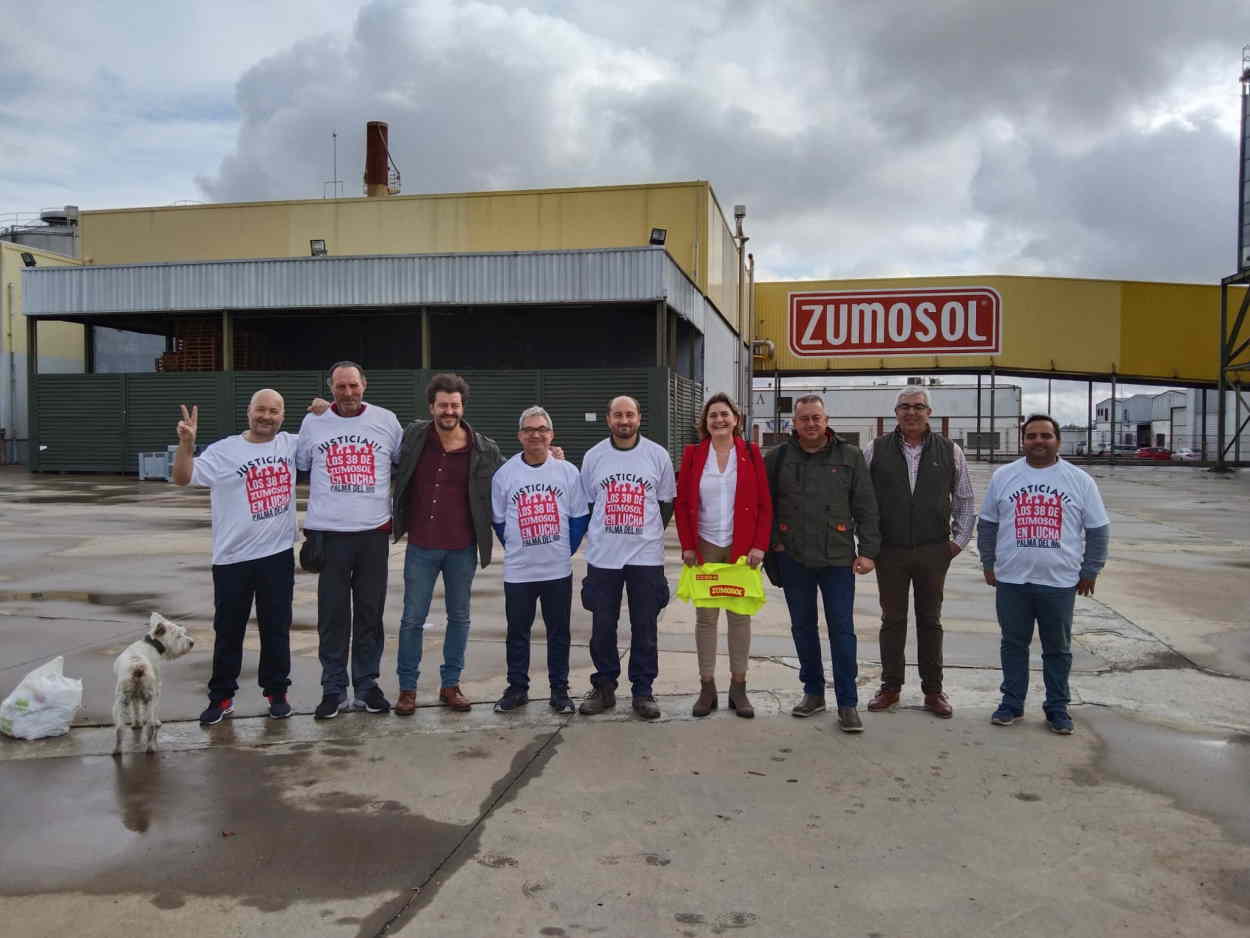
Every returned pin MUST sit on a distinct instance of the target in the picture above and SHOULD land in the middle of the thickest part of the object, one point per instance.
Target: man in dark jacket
(927, 507)
(823, 504)
(441, 500)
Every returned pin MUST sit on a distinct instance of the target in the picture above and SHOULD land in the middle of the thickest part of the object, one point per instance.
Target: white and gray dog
(138, 668)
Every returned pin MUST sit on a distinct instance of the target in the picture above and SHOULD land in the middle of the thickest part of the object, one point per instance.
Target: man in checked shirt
(928, 514)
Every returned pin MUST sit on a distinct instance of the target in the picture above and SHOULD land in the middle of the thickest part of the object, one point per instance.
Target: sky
(891, 138)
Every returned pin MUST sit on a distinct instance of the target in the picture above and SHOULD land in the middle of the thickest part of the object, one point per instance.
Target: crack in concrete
(506, 788)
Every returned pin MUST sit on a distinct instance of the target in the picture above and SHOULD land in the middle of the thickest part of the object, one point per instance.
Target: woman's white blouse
(716, 499)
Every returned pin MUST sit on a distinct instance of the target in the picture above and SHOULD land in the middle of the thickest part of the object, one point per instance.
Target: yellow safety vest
(733, 586)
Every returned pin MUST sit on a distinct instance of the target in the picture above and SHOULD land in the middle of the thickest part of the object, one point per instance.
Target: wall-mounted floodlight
(28, 259)
(659, 236)
(317, 247)
(740, 211)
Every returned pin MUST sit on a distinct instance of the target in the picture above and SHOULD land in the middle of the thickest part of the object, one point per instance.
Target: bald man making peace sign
(251, 480)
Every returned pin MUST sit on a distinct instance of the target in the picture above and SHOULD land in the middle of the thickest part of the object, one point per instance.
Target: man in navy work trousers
(1043, 536)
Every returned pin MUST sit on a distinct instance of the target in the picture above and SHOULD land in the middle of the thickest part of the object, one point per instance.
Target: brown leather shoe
(406, 705)
(451, 697)
(707, 699)
(886, 699)
(938, 704)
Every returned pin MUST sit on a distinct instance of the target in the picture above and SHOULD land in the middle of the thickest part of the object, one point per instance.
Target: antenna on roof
(332, 188)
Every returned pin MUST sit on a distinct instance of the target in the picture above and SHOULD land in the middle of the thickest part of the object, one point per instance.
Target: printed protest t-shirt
(252, 491)
(1042, 515)
(534, 503)
(350, 461)
(626, 488)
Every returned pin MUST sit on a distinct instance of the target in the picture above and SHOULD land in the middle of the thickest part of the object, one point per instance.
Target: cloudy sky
(885, 138)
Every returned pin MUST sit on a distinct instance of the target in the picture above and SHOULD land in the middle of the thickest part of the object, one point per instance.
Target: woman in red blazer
(723, 511)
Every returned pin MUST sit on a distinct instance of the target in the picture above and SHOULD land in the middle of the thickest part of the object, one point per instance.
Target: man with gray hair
(539, 514)
(927, 513)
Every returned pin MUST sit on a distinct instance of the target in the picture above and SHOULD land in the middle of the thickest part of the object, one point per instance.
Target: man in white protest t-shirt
(539, 515)
(628, 482)
(349, 450)
(1042, 535)
(251, 482)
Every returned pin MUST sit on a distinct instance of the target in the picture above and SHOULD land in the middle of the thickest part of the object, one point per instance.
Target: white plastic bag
(43, 704)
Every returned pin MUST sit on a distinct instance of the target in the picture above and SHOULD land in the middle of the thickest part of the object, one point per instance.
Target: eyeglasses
(536, 430)
(918, 408)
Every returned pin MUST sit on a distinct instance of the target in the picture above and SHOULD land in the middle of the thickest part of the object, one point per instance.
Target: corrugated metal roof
(587, 276)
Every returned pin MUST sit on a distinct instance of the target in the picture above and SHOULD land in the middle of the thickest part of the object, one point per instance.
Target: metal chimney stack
(377, 159)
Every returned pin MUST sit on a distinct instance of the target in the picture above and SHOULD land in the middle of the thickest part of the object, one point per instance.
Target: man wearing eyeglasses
(927, 516)
(534, 497)
(441, 500)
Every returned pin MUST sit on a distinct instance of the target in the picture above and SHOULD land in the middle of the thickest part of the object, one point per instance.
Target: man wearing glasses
(441, 500)
(927, 516)
(534, 498)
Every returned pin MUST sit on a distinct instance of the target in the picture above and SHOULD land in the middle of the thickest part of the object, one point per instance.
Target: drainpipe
(10, 418)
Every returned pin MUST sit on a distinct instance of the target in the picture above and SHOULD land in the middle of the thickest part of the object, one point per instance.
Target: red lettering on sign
(953, 321)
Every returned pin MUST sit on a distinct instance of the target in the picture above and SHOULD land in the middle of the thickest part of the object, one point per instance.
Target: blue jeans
(1019, 605)
(837, 590)
(421, 569)
(520, 602)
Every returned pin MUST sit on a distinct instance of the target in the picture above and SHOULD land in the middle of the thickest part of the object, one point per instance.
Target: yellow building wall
(61, 344)
(1137, 329)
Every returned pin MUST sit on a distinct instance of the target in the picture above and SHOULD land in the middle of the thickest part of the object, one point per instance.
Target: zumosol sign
(951, 321)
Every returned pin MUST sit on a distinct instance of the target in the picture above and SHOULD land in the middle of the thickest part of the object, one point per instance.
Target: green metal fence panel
(496, 399)
(570, 395)
(401, 391)
(296, 387)
(80, 423)
(152, 411)
(685, 404)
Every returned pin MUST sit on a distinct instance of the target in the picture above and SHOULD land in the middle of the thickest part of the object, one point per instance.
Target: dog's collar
(155, 643)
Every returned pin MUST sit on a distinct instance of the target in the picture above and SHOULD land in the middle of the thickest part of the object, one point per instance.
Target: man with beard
(251, 482)
(628, 482)
(1043, 536)
(442, 501)
(349, 450)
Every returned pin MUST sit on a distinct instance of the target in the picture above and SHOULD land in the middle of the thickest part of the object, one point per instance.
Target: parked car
(1154, 452)
(1185, 454)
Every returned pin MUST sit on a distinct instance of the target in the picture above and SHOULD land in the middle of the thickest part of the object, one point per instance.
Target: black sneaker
(217, 711)
(560, 701)
(330, 707)
(279, 709)
(373, 700)
(512, 698)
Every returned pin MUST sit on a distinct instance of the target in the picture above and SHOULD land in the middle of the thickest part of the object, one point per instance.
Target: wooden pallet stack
(197, 347)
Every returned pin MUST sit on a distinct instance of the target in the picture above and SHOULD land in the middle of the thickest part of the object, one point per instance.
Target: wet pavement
(534, 824)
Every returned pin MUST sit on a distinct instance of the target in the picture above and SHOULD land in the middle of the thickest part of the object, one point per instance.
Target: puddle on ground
(214, 823)
(113, 600)
(1215, 780)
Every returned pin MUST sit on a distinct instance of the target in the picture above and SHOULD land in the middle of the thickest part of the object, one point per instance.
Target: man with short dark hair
(349, 449)
(628, 482)
(442, 503)
(1043, 536)
(926, 505)
(824, 532)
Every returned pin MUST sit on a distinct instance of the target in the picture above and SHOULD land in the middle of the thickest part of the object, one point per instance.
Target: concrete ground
(533, 824)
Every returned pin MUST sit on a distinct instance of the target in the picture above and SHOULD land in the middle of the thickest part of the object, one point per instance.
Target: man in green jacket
(824, 532)
(441, 500)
